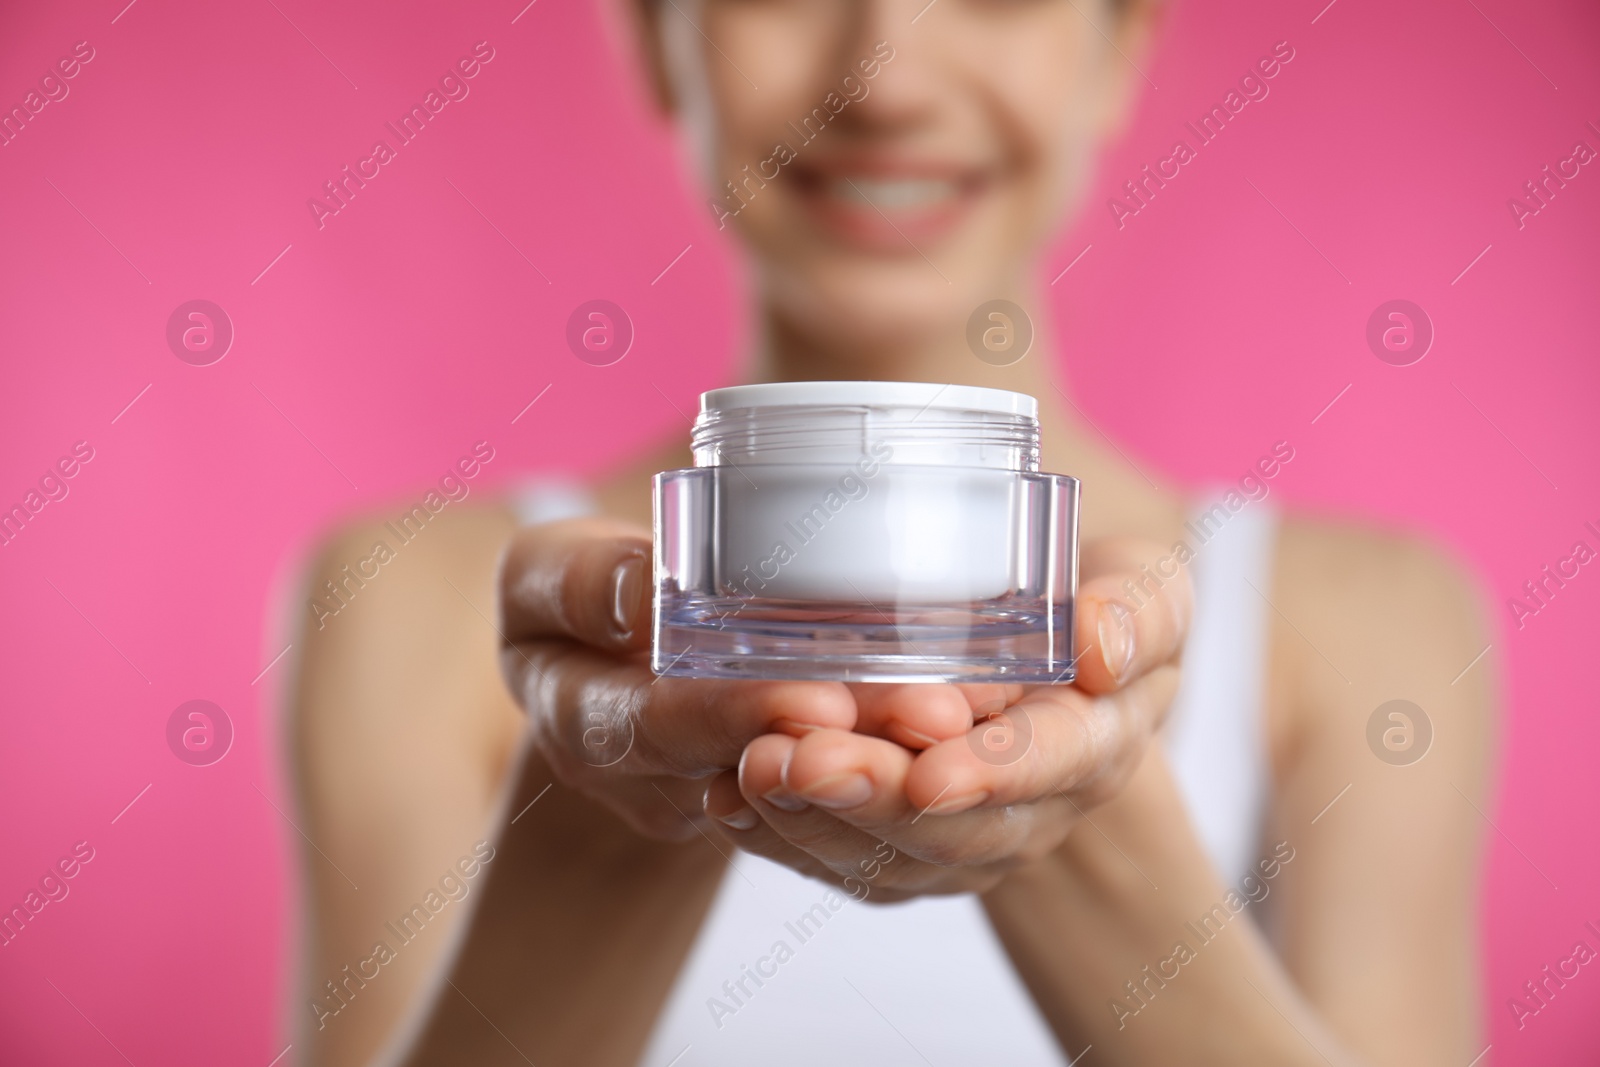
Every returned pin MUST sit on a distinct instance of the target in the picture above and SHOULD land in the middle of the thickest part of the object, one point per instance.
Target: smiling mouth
(886, 213)
(893, 196)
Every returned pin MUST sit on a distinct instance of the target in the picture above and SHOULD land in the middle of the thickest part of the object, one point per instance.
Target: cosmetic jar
(865, 531)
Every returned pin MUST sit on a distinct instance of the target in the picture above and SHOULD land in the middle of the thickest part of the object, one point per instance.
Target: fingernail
(916, 738)
(627, 585)
(743, 819)
(1116, 637)
(958, 803)
(840, 792)
(783, 799)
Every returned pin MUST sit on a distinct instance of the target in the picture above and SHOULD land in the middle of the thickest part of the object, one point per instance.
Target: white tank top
(787, 973)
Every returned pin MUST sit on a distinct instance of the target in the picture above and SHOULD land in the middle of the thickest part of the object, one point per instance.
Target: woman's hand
(963, 781)
(574, 622)
(575, 613)
(996, 777)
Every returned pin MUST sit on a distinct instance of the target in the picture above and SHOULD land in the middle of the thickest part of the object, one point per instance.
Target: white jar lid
(872, 394)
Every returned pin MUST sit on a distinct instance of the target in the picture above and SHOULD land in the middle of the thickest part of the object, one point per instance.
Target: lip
(846, 199)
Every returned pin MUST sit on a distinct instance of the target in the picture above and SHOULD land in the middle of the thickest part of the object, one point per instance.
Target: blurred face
(891, 164)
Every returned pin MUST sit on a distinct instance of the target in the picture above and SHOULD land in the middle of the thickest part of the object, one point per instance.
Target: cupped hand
(946, 788)
(574, 621)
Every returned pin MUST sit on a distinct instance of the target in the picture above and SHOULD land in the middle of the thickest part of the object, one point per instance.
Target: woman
(1231, 876)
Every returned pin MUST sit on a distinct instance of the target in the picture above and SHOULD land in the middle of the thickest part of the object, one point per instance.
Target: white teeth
(892, 195)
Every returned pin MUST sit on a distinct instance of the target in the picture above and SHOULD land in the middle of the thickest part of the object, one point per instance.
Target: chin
(875, 305)
(853, 290)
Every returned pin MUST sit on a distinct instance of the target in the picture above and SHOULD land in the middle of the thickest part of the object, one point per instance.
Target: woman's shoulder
(1337, 568)
(1364, 615)
(401, 573)
(397, 619)
(405, 558)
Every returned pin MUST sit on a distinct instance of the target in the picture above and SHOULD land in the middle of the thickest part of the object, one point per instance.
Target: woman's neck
(792, 351)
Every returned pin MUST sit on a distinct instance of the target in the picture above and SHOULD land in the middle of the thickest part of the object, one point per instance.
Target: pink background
(408, 328)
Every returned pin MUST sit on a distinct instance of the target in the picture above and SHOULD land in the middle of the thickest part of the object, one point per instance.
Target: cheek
(763, 66)
(1067, 133)
(1041, 108)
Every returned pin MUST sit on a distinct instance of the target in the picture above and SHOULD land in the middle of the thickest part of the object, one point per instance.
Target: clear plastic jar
(865, 531)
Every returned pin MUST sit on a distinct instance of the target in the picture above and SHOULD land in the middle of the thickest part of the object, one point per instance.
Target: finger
(1132, 612)
(790, 831)
(661, 809)
(849, 838)
(592, 710)
(845, 773)
(1055, 740)
(758, 837)
(748, 817)
(727, 805)
(861, 781)
(586, 580)
(744, 827)
(914, 715)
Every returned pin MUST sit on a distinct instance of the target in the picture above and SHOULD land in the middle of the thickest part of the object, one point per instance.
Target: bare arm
(560, 934)
(1375, 910)
(1380, 923)
(572, 921)
(575, 942)
(399, 743)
